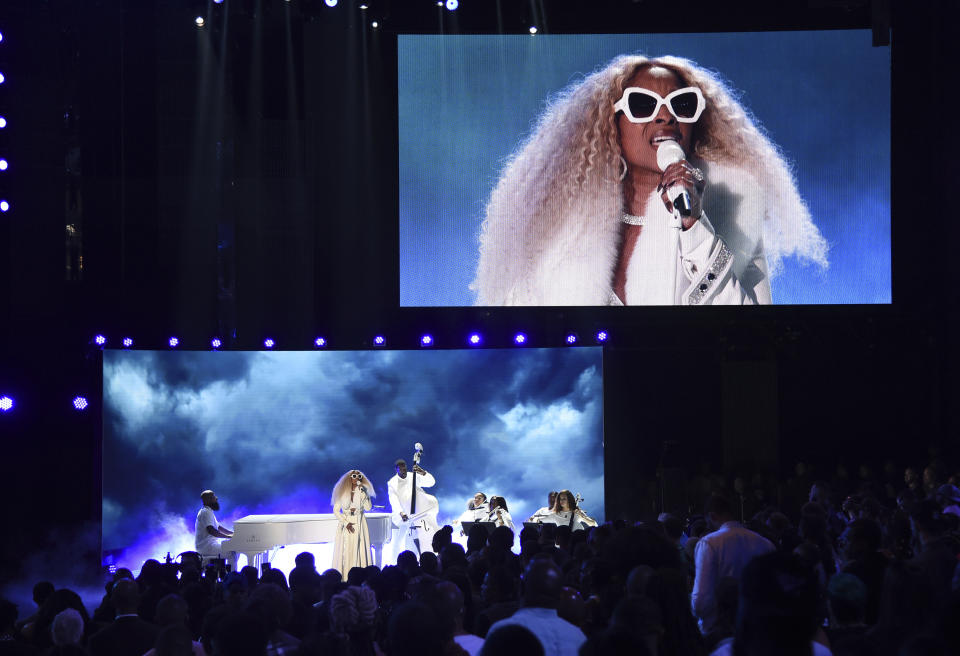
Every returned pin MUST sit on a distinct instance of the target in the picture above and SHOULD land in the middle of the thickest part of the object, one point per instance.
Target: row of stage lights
(4, 164)
(80, 403)
(7, 404)
(379, 341)
(450, 5)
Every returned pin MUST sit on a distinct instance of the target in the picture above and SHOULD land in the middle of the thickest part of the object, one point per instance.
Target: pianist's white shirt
(207, 545)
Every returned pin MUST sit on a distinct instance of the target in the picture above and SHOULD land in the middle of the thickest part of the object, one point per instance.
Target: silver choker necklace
(631, 219)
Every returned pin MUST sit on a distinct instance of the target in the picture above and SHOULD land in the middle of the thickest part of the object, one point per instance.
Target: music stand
(487, 526)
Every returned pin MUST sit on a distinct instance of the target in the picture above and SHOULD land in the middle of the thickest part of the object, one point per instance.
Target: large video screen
(519, 157)
(272, 432)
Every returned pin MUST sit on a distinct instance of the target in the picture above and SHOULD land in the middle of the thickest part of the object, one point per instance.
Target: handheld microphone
(669, 153)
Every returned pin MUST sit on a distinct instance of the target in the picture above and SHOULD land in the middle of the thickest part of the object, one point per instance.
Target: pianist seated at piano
(209, 534)
(351, 499)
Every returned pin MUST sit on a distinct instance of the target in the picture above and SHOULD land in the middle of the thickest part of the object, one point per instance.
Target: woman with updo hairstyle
(583, 214)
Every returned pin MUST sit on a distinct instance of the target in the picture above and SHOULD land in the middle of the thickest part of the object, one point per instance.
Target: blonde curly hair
(570, 165)
(342, 487)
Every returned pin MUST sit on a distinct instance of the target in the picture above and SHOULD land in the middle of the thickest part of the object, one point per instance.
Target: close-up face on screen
(273, 432)
(666, 169)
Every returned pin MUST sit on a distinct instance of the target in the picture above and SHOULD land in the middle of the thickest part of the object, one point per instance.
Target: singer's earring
(623, 168)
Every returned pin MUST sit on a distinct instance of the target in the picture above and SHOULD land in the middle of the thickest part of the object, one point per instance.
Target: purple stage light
(268, 343)
(80, 403)
(6, 404)
(520, 338)
(572, 339)
(3, 122)
(320, 342)
(379, 340)
(216, 343)
(453, 4)
(331, 3)
(2, 79)
(100, 340)
(127, 342)
(426, 340)
(174, 342)
(4, 206)
(602, 336)
(4, 165)
(218, 2)
(474, 339)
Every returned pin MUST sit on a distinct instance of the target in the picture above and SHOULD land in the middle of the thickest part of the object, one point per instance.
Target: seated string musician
(544, 513)
(499, 514)
(567, 512)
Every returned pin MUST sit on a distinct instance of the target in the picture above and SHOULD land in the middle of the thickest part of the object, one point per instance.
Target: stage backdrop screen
(272, 432)
(485, 128)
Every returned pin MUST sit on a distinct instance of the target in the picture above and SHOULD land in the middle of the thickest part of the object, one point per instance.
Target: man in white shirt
(412, 535)
(722, 553)
(543, 582)
(209, 534)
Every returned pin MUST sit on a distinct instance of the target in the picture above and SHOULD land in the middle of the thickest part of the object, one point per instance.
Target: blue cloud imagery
(271, 432)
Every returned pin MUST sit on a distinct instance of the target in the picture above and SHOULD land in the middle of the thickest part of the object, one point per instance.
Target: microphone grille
(668, 153)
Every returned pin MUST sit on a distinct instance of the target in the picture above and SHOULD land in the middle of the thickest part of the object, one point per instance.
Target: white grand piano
(259, 536)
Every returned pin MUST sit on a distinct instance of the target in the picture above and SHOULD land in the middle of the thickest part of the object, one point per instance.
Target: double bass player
(414, 512)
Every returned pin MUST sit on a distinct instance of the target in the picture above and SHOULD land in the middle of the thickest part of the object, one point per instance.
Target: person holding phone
(351, 498)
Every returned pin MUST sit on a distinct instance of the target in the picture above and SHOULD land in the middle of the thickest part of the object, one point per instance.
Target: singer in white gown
(351, 498)
(583, 212)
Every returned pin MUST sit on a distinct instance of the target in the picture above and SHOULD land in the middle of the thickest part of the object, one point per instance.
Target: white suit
(423, 528)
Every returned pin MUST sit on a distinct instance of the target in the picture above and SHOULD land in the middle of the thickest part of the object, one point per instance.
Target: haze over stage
(271, 432)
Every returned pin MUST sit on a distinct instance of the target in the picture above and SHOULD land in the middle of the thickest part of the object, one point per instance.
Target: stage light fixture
(426, 340)
(379, 340)
(4, 206)
(174, 342)
(215, 343)
(320, 342)
(331, 3)
(127, 342)
(1, 37)
(374, 24)
(2, 79)
(533, 29)
(364, 7)
(199, 21)
(602, 336)
(452, 5)
(218, 2)
(100, 340)
(474, 339)
(3, 164)
(80, 403)
(269, 343)
(6, 404)
(571, 338)
(3, 122)
(520, 339)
